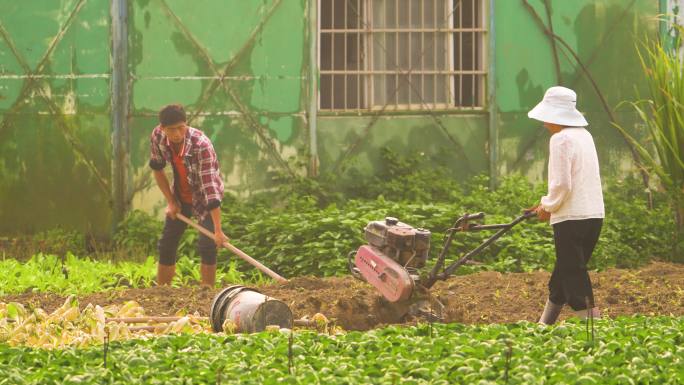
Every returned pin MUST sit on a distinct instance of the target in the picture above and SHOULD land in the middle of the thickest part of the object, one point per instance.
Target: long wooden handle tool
(234, 249)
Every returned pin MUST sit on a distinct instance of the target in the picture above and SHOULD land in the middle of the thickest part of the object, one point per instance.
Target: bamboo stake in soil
(165, 319)
(139, 320)
(145, 328)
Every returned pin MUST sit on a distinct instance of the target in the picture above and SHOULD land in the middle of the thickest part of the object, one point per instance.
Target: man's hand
(220, 238)
(172, 208)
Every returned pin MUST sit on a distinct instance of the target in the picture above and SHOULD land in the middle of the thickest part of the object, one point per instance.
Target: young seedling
(509, 354)
(219, 371)
(430, 321)
(589, 321)
(290, 355)
(64, 268)
(105, 347)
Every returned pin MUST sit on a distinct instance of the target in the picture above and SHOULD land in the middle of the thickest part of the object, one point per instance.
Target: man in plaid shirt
(197, 189)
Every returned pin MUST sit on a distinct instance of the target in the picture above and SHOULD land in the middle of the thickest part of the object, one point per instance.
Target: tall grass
(662, 112)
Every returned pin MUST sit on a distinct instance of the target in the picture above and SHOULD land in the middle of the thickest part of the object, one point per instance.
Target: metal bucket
(250, 310)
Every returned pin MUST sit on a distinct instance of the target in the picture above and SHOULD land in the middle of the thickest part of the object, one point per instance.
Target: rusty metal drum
(250, 310)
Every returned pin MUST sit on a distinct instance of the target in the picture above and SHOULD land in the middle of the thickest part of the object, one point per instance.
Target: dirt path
(657, 289)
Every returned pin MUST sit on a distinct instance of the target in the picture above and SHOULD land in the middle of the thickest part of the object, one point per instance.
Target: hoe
(394, 260)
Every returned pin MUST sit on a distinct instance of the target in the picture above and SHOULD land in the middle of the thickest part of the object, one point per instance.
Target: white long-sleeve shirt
(574, 180)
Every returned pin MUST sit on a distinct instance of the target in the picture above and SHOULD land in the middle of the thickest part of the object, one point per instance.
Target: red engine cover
(389, 277)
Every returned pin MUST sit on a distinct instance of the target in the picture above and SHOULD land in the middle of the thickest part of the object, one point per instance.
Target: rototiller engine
(396, 254)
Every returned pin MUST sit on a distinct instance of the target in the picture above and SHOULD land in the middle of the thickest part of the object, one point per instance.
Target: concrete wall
(603, 34)
(242, 69)
(54, 111)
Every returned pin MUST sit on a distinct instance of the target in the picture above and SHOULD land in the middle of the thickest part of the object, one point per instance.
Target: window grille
(401, 54)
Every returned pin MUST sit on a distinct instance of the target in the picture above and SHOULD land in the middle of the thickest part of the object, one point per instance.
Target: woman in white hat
(573, 204)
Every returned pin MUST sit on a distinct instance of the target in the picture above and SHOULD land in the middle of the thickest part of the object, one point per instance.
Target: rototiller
(396, 253)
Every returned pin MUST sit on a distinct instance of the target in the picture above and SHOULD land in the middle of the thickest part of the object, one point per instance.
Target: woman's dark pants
(575, 241)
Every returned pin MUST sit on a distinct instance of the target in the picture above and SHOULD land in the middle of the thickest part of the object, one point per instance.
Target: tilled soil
(487, 297)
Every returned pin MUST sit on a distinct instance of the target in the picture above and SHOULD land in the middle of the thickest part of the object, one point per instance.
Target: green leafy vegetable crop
(46, 273)
(637, 350)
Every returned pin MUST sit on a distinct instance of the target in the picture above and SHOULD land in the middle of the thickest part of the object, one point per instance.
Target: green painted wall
(242, 70)
(603, 34)
(54, 130)
(349, 147)
(254, 115)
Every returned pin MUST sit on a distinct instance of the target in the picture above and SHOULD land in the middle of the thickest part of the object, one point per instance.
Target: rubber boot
(165, 274)
(208, 274)
(584, 314)
(550, 314)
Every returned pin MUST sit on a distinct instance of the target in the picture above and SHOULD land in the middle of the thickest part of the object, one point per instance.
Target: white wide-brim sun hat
(559, 107)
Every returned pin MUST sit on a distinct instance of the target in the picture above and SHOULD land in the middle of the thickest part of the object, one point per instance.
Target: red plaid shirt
(200, 161)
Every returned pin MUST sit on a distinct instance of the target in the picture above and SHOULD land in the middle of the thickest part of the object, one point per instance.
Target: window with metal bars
(401, 54)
